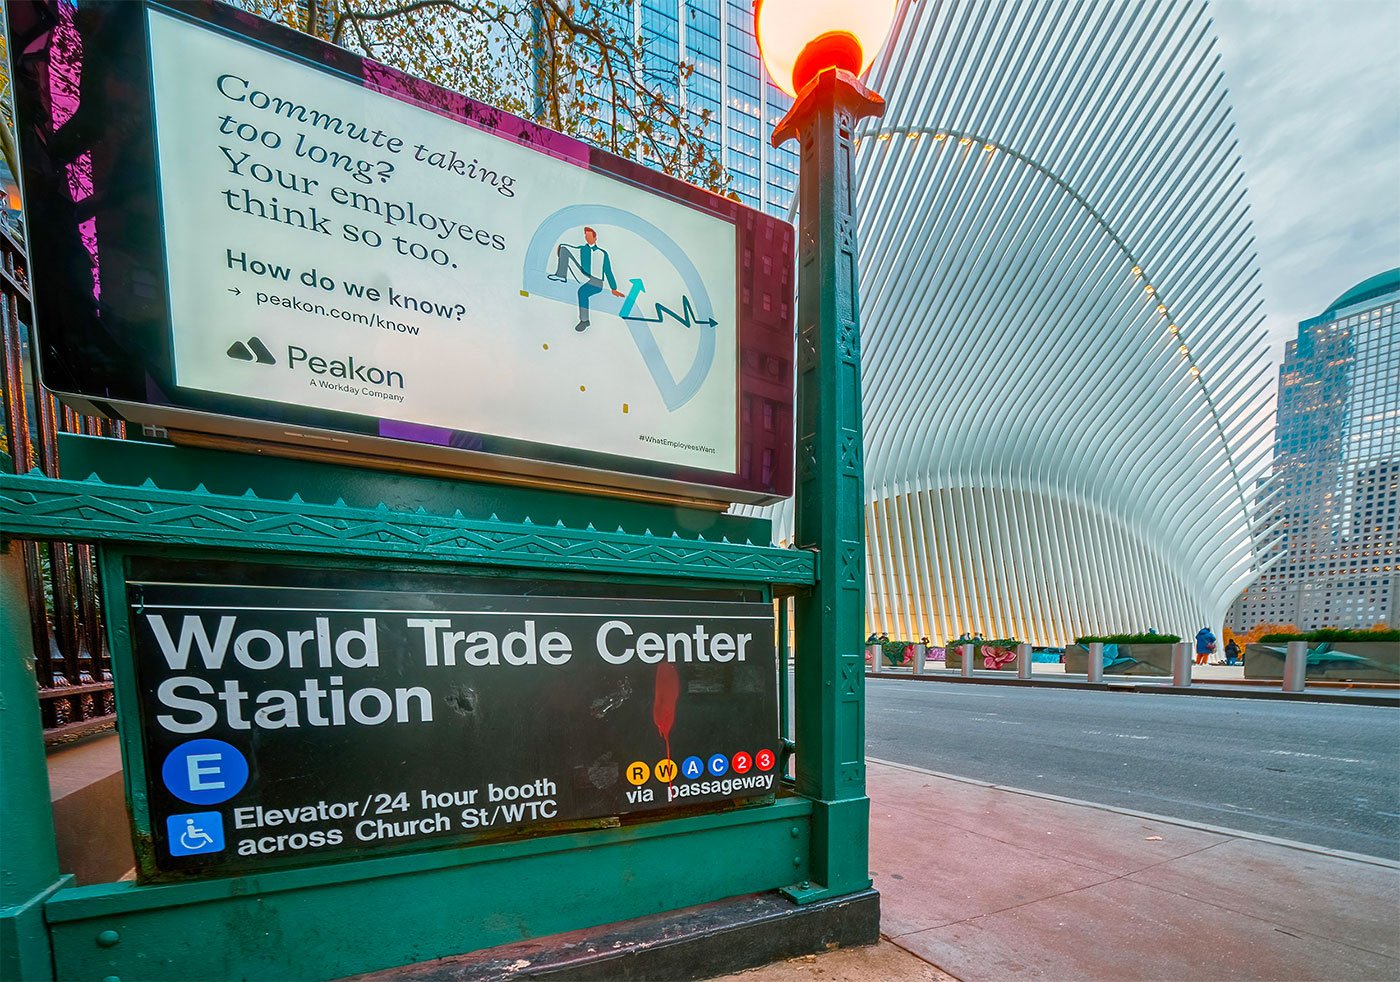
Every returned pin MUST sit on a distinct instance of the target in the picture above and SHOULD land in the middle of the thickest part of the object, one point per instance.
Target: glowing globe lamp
(800, 38)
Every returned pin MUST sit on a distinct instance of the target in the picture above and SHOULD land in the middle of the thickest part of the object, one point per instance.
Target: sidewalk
(986, 883)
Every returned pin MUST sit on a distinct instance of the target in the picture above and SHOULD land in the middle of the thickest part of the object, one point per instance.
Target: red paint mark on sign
(663, 707)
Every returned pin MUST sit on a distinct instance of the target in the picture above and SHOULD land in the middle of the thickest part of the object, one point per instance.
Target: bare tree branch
(595, 82)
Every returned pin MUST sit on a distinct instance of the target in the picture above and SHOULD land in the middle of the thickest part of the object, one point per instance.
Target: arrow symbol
(234, 290)
(631, 301)
(687, 317)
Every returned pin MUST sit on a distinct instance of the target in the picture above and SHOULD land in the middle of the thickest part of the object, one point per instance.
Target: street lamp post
(815, 50)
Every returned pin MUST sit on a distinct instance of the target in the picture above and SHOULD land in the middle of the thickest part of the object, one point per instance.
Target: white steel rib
(1067, 386)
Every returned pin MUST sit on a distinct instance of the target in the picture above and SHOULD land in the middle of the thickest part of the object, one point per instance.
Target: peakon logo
(254, 350)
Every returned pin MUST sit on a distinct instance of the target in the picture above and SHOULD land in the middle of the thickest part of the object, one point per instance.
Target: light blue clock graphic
(580, 275)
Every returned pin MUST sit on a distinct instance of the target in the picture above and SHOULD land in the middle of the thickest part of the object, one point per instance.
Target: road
(1319, 773)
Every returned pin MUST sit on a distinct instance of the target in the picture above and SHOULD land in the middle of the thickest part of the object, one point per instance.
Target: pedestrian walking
(1232, 652)
(1205, 645)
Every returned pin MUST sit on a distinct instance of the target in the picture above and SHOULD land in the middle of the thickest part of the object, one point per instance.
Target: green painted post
(830, 492)
(30, 870)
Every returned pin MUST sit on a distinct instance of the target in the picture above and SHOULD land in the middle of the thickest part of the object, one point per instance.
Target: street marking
(1299, 753)
(1123, 736)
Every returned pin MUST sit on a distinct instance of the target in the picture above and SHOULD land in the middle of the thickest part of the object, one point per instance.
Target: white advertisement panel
(334, 248)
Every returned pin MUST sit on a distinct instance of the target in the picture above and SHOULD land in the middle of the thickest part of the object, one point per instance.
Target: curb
(1355, 857)
(1344, 697)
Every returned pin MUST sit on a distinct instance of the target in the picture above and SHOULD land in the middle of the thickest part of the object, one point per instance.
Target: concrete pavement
(988, 883)
(878, 963)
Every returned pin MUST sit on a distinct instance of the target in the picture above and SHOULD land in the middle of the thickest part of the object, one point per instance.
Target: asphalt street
(1319, 773)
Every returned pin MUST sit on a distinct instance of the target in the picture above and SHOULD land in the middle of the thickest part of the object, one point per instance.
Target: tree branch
(585, 59)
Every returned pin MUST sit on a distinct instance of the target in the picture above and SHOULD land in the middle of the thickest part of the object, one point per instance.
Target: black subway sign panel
(284, 725)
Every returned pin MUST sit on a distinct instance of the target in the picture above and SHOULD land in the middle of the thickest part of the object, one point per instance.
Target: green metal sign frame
(344, 918)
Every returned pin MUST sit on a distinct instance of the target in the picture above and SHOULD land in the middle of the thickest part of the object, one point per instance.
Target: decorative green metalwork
(345, 918)
(133, 462)
(34, 506)
(342, 919)
(26, 818)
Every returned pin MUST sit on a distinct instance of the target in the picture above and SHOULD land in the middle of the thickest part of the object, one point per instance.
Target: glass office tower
(1337, 469)
(716, 38)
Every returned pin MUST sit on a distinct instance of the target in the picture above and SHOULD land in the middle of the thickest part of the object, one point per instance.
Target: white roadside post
(1095, 669)
(1295, 666)
(1181, 664)
(872, 657)
(920, 656)
(967, 661)
(1023, 661)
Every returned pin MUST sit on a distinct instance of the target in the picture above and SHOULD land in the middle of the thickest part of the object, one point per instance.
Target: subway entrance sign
(429, 628)
(286, 723)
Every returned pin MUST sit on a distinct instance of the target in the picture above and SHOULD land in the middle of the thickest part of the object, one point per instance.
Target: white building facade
(1066, 379)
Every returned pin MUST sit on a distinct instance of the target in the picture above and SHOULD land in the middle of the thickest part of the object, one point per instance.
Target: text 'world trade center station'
(1066, 382)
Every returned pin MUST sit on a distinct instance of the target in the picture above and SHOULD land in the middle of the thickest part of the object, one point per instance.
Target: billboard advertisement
(310, 247)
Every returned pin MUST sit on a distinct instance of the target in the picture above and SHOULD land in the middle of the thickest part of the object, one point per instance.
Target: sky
(1316, 89)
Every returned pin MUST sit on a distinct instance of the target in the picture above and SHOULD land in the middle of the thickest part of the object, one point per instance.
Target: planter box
(1122, 659)
(953, 659)
(1358, 661)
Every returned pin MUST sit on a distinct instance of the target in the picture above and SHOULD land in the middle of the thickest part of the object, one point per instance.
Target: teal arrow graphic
(686, 318)
(631, 302)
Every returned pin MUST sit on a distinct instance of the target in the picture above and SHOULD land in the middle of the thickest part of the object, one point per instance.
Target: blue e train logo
(205, 772)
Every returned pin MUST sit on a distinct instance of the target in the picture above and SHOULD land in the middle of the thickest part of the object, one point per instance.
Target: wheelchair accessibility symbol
(195, 833)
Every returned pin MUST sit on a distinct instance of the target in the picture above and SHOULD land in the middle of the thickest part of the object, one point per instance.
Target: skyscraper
(716, 38)
(1337, 469)
(727, 78)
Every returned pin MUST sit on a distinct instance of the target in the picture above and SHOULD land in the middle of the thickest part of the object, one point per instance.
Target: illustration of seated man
(593, 265)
